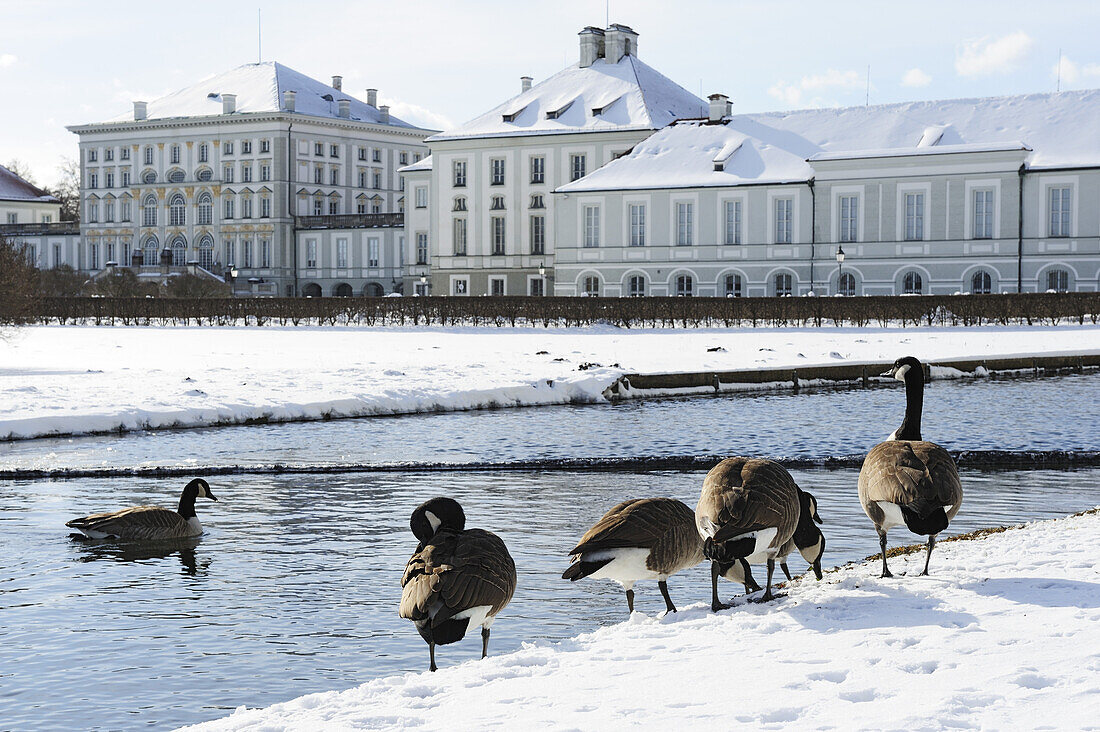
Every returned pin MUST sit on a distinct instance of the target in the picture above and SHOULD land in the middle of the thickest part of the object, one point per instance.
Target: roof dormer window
(556, 113)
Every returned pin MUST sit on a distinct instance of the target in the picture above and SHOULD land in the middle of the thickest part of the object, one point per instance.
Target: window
(578, 165)
(93, 256)
(125, 179)
(849, 213)
(460, 203)
(174, 154)
(496, 225)
(403, 158)
(496, 286)
(319, 148)
(47, 218)
(265, 253)
(93, 212)
(362, 179)
(110, 180)
(109, 211)
(149, 176)
(124, 210)
(459, 227)
(983, 215)
(93, 180)
(846, 285)
(110, 252)
(372, 253)
(13, 218)
(461, 287)
(637, 224)
(497, 203)
(265, 207)
(206, 252)
(246, 207)
(318, 206)
(361, 206)
(376, 155)
(591, 226)
(176, 176)
(124, 153)
(538, 169)
(685, 224)
(179, 252)
(341, 253)
(265, 172)
(733, 223)
(590, 286)
(265, 146)
(536, 287)
(148, 155)
(421, 248)
(246, 253)
(362, 153)
(783, 208)
(421, 197)
(227, 174)
(376, 206)
(731, 284)
(912, 284)
(246, 173)
(334, 177)
(684, 286)
(204, 153)
(1060, 206)
(149, 252)
(417, 157)
(318, 174)
(177, 211)
(228, 208)
(230, 261)
(1058, 280)
(636, 286)
(981, 283)
(246, 147)
(57, 256)
(334, 151)
(782, 284)
(496, 177)
(93, 155)
(537, 201)
(333, 206)
(459, 173)
(538, 235)
(227, 147)
(377, 180)
(914, 216)
(109, 154)
(149, 212)
(311, 254)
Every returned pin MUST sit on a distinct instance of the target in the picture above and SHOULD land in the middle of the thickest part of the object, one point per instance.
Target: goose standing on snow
(148, 523)
(747, 512)
(905, 480)
(807, 538)
(639, 539)
(457, 579)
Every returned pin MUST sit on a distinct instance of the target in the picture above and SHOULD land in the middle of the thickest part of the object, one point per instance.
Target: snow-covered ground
(83, 379)
(1005, 634)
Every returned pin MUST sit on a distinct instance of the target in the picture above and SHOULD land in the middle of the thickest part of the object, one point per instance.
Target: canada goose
(906, 480)
(456, 579)
(148, 523)
(643, 538)
(748, 510)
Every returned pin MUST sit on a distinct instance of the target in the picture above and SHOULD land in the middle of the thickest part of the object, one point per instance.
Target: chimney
(591, 46)
(720, 107)
(384, 114)
(621, 40)
(344, 106)
(140, 110)
(337, 82)
(289, 97)
(229, 103)
(525, 83)
(372, 97)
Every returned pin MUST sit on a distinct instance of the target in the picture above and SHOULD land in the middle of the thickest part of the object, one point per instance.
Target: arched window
(636, 286)
(206, 208)
(179, 252)
(981, 283)
(149, 211)
(685, 286)
(591, 286)
(343, 290)
(782, 284)
(912, 284)
(177, 211)
(312, 290)
(732, 283)
(206, 252)
(846, 285)
(149, 252)
(1058, 280)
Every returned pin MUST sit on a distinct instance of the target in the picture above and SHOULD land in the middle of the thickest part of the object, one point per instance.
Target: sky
(439, 63)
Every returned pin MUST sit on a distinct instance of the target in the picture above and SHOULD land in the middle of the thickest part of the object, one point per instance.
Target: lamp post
(542, 277)
(839, 269)
(424, 284)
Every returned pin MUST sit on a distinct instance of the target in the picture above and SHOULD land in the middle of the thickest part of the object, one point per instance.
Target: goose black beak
(211, 496)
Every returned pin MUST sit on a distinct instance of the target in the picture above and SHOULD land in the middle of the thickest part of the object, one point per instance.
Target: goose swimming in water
(148, 523)
(457, 578)
(906, 480)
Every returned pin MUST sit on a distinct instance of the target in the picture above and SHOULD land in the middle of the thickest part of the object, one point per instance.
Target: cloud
(417, 115)
(1074, 73)
(915, 77)
(831, 80)
(6, 60)
(986, 56)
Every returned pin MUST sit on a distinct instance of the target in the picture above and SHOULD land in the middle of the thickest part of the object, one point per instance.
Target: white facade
(24, 203)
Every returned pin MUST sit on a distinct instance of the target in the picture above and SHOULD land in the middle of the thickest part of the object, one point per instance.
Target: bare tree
(191, 287)
(21, 169)
(67, 189)
(18, 282)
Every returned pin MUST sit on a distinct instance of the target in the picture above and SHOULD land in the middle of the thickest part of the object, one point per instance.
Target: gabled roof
(1049, 130)
(14, 188)
(424, 164)
(598, 98)
(259, 88)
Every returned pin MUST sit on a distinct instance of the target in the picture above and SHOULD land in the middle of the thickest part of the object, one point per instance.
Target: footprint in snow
(195, 393)
(834, 354)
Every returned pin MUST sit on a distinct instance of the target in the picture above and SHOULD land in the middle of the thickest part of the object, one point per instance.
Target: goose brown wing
(139, 522)
(893, 472)
(456, 572)
(761, 495)
(642, 523)
(945, 484)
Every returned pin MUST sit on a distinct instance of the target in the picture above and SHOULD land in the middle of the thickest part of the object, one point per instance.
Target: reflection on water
(294, 587)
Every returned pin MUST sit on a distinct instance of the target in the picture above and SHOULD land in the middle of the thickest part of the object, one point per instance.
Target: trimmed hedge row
(654, 312)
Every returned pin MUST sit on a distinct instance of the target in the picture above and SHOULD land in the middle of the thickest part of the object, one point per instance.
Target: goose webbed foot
(715, 606)
(669, 607)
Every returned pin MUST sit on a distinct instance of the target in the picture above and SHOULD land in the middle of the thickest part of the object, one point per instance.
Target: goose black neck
(914, 404)
(187, 502)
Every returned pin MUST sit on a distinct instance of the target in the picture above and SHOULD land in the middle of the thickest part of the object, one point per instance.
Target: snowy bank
(1004, 635)
(57, 380)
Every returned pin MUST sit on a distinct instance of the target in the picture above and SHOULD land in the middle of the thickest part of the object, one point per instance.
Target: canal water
(294, 587)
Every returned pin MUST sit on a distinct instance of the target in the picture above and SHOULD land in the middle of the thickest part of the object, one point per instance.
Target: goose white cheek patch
(900, 375)
(433, 520)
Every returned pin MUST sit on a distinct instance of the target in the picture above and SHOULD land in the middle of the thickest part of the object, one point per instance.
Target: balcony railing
(54, 227)
(351, 221)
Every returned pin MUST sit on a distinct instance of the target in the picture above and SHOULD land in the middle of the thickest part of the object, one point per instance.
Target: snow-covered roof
(1053, 130)
(259, 88)
(14, 188)
(424, 163)
(602, 97)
